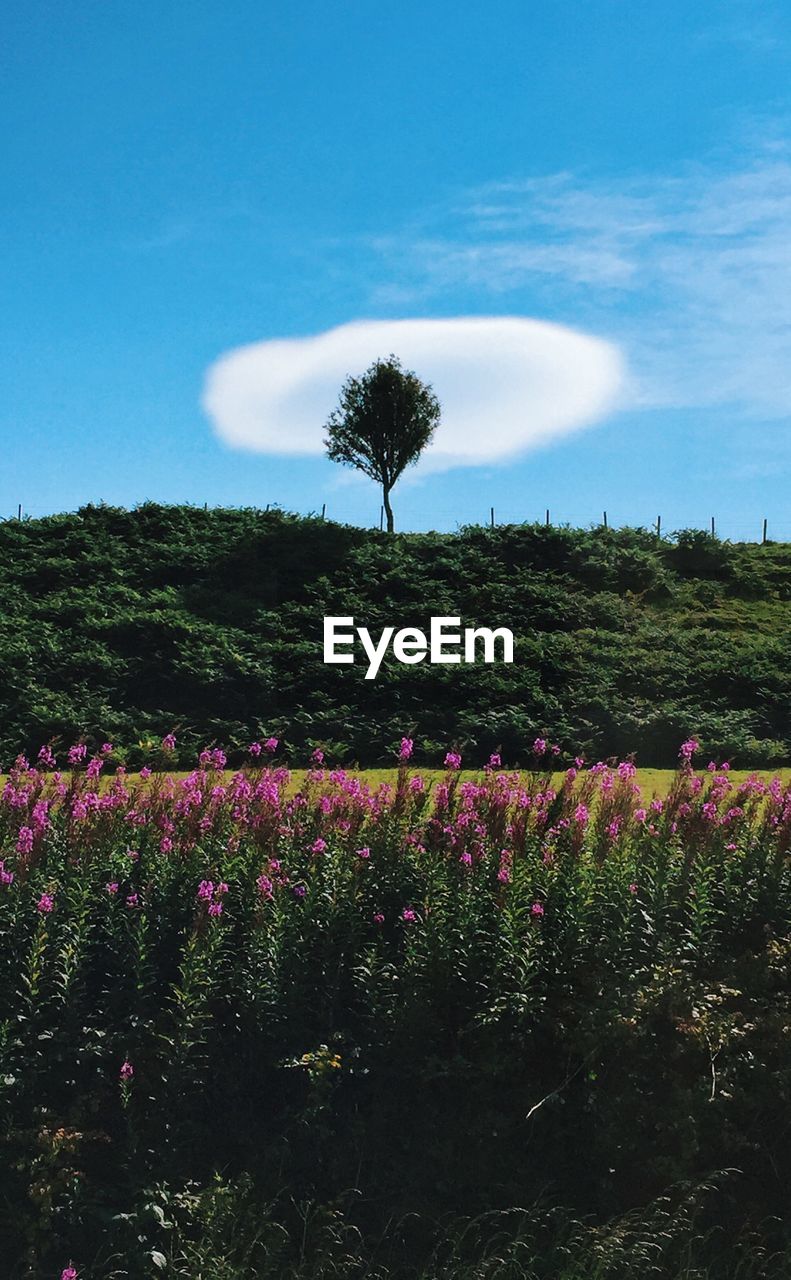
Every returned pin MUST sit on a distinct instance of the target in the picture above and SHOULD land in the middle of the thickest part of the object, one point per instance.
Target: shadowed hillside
(127, 624)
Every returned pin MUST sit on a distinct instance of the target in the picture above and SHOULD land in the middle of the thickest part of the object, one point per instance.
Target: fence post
(492, 515)
(713, 534)
(659, 526)
(323, 510)
(547, 517)
(605, 519)
(19, 512)
(763, 539)
(381, 519)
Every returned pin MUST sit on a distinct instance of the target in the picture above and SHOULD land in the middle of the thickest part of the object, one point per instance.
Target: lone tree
(383, 422)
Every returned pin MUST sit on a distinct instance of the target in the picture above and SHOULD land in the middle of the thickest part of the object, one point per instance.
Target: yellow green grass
(651, 781)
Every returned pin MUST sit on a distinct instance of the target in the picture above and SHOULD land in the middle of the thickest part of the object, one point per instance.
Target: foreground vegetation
(132, 622)
(508, 1028)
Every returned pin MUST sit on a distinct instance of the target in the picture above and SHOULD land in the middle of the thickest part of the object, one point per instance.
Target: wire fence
(761, 530)
(442, 519)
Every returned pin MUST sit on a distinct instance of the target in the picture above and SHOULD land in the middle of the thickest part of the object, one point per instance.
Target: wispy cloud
(690, 272)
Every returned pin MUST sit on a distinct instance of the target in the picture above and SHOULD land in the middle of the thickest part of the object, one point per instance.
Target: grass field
(651, 781)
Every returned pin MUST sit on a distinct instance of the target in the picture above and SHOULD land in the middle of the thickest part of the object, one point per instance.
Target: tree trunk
(388, 508)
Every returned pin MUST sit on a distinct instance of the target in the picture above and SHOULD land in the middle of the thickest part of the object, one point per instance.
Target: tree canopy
(382, 424)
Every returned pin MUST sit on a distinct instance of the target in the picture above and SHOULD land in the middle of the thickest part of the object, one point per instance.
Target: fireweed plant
(454, 998)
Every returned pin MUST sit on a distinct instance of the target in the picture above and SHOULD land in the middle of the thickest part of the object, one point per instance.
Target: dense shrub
(135, 622)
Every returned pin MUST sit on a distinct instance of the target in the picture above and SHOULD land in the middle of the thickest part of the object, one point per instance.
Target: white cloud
(506, 384)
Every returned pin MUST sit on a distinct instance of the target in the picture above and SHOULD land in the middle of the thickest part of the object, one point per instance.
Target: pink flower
(127, 1071)
(46, 757)
(206, 890)
(416, 784)
(406, 749)
(79, 810)
(408, 915)
(640, 815)
(317, 756)
(537, 910)
(265, 886)
(145, 772)
(378, 918)
(133, 900)
(77, 753)
(539, 747)
(495, 760)
(633, 888)
(364, 853)
(271, 745)
(318, 846)
(453, 760)
(688, 749)
(255, 749)
(68, 1273)
(45, 904)
(169, 742)
(112, 887)
(581, 814)
(215, 909)
(24, 843)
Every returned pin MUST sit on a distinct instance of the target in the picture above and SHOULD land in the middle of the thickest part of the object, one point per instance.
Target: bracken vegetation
(492, 1028)
(129, 623)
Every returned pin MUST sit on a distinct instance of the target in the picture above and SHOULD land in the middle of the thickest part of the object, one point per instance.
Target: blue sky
(179, 181)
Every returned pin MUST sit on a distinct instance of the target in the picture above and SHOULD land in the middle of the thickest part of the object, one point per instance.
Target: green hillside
(127, 624)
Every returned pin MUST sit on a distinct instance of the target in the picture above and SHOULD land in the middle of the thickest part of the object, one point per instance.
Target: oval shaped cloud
(506, 384)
